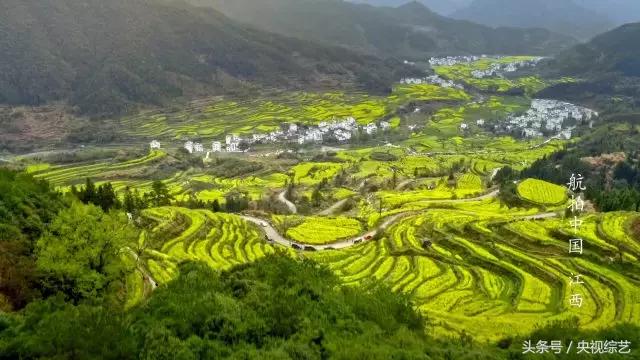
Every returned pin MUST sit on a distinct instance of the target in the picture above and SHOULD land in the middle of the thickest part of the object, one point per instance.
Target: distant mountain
(106, 56)
(619, 11)
(563, 16)
(608, 65)
(442, 7)
(616, 51)
(411, 30)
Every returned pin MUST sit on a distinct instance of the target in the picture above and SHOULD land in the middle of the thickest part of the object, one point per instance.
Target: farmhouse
(154, 145)
(233, 147)
(189, 146)
(371, 128)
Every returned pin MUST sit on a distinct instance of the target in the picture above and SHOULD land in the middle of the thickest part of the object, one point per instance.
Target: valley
(419, 204)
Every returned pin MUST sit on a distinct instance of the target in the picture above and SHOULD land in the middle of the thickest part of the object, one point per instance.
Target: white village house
(154, 145)
(189, 146)
(371, 128)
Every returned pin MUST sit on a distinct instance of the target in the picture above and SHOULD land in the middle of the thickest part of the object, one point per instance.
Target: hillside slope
(608, 65)
(106, 57)
(411, 30)
(614, 51)
(563, 16)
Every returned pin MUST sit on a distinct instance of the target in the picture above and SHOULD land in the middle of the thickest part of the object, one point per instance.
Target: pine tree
(129, 202)
(215, 207)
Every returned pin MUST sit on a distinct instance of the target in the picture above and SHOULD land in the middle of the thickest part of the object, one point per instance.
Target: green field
(488, 270)
(483, 273)
(321, 230)
(213, 118)
(541, 192)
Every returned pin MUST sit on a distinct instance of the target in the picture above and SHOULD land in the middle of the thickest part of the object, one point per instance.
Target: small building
(189, 146)
(154, 145)
(216, 146)
(231, 139)
(480, 122)
(385, 125)
(293, 128)
(371, 128)
(464, 126)
(342, 135)
(233, 147)
(197, 147)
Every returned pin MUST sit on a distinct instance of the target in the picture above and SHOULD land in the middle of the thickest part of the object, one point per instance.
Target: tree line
(133, 201)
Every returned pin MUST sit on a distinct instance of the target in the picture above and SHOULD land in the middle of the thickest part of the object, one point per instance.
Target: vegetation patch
(323, 230)
(542, 192)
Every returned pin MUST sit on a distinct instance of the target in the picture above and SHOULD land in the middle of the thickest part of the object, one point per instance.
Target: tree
(316, 197)
(215, 207)
(26, 206)
(160, 195)
(88, 193)
(81, 254)
(236, 202)
(106, 197)
(129, 202)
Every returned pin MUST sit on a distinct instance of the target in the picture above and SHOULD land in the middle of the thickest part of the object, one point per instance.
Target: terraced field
(179, 234)
(462, 73)
(215, 117)
(322, 230)
(542, 192)
(69, 174)
(491, 276)
(484, 269)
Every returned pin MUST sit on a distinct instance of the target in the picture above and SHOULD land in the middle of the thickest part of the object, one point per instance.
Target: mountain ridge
(606, 69)
(105, 58)
(411, 30)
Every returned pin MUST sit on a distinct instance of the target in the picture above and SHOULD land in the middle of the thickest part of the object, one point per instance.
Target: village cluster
(546, 116)
(495, 69)
(434, 80)
(453, 60)
(499, 69)
(340, 131)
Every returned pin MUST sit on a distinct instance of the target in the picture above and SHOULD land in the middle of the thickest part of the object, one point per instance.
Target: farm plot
(317, 230)
(220, 240)
(542, 192)
(474, 270)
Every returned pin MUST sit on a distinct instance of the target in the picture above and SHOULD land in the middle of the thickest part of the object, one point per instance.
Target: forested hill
(615, 51)
(411, 30)
(606, 66)
(106, 56)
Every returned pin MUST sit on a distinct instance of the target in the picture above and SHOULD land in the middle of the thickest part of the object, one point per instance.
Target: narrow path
(333, 208)
(403, 184)
(142, 269)
(274, 236)
(283, 199)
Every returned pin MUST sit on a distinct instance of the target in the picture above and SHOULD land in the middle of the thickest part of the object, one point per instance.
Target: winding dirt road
(275, 237)
(283, 199)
